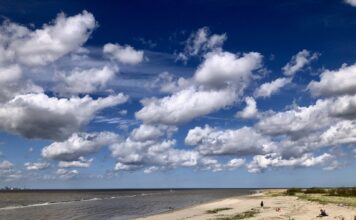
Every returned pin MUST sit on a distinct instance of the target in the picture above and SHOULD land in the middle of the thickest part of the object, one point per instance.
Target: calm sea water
(103, 204)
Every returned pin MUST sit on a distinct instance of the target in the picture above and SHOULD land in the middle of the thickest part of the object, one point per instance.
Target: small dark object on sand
(261, 204)
(322, 213)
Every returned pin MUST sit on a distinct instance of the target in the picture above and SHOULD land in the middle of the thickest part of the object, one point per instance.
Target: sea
(110, 204)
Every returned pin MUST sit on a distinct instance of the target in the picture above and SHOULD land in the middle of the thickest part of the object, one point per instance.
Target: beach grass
(214, 211)
(275, 192)
(339, 196)
(244, 215)
(325, 199)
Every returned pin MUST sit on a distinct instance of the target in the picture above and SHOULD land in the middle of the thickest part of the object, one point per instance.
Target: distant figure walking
(261, 204)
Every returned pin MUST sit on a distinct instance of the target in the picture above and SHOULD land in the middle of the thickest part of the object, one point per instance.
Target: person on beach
(322, 213)
(261, 204)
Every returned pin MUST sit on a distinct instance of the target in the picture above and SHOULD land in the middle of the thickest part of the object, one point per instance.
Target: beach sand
(290, 208)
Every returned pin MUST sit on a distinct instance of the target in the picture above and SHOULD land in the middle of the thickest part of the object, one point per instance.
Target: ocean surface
(103, 204)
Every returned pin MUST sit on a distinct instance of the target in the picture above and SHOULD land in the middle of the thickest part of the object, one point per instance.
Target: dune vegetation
(342, 196)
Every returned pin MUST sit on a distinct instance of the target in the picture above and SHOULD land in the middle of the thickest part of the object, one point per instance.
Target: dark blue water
(104, 204)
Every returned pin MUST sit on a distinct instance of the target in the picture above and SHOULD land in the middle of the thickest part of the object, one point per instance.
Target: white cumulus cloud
(250, 110)
(84, 81)
(169, 110)
(217, 83)
(5, 165)
(351, 2)
(299, 61)
(123, 54)
(81, 162)
(243, 141)
(78, 145)
(335, 83)
(220, 69)
(36, 166)
(269, 88)
(262, 162)
(40, 116)
(47, 44)
(201, 42)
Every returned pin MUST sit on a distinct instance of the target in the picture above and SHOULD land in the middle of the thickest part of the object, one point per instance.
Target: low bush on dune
(343, 191)
(244, 215)
(315, 190)
(213, 211)
(293, 191)
(342, 195)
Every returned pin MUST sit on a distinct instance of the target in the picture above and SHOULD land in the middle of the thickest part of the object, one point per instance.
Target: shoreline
(248, 207)
(173, 210)
(216, 201)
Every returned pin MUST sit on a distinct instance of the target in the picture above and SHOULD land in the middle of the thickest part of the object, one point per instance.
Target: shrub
(293, 191)
(315, 190)
(343, 191)
(213, 211)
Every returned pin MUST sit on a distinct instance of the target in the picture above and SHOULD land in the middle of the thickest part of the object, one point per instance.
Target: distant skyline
(151, 94)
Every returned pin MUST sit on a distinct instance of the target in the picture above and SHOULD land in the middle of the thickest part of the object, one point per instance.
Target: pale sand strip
(291, 208)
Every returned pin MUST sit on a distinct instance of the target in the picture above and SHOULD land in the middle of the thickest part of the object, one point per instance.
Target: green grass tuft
(213, 211)
(293, 191)
(244, 215)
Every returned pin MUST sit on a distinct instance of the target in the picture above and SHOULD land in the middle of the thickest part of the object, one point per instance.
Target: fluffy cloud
(235, 163)
(5, 165)
(36, 166)
(79, 144)
(269, 88)
(334, 83)
(149, 132)
(250, 111)
(351, 2)
(200, 42)
(12, 83)
(302, 121)
(7, 171)
(40, 116)
(81, 81)
(217, 83)
(262, 162)
(243, 141)
(302, 130)
(343, 107)
(343, 132)
(169, 110)
(156, 152)
(45, 45)
(81, 162)
(123, 54)
(220, 69)
(198, 134)
(168, 83)
(297, 122)
(133, 155)
(298, 62)
(10, 74)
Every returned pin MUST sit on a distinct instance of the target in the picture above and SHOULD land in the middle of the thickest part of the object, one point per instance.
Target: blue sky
(146, 94)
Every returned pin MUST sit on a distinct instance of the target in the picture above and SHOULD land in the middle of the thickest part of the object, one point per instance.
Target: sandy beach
(290, 207)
